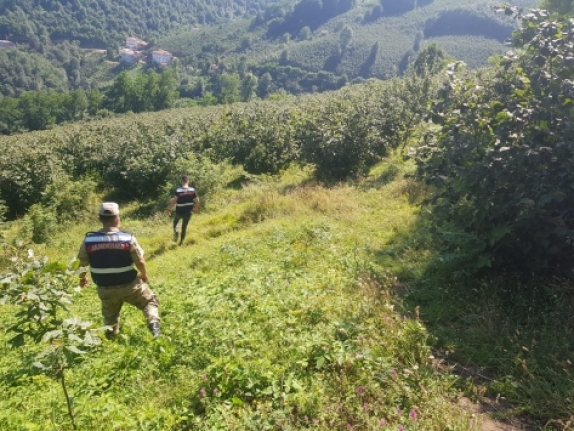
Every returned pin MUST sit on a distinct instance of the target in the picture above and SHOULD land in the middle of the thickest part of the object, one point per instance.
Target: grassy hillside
(274, 316)
(293, 306)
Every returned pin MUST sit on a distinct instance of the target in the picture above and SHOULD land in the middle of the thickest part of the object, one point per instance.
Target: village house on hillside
(162, 57)
(129, 57)
(135, 44)
(6, 44)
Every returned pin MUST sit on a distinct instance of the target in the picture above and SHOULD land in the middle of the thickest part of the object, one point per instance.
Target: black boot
(154, 329)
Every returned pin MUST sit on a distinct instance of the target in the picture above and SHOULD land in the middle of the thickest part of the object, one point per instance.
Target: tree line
(37, 110)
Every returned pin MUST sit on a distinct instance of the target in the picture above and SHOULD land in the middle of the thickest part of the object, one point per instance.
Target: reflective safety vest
(185, 198)
(110, 259)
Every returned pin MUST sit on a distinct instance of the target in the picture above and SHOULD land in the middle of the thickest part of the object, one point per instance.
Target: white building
(135, 43)
(6, 44)
(129, 57)
(162, 57)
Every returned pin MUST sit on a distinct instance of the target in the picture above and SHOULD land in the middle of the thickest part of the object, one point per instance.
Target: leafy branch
(41, 293)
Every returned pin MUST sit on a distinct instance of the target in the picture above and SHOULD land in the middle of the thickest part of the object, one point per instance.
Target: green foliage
(343, 142)
(102, 23)
(147, 92)
(70, 200)
(562, 7)
(432, 59)
(205, 176)
(40, 224)
(468, 22)
(134, 156)
(27, 71)
(397, 7)
(501, 162)
(24, 174)
(41, 292)
(306, 16)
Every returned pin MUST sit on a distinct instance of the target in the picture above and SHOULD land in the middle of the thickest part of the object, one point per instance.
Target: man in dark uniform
(185, 200)
(111, 255)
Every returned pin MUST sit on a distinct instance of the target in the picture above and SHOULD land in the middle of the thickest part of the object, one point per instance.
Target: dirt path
(487, 407)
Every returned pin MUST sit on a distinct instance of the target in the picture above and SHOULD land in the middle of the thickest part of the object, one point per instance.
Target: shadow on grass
(162, 249)
(511, 343)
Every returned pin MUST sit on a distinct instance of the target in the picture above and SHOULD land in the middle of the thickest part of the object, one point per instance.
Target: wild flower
(216, 391)
(393, 372)
(350, 427)
(202, 392)
(401, 428)
(360, 390)
(365, 406)
(399, 411)
(383, 422)
(413, 415)
(205, 377)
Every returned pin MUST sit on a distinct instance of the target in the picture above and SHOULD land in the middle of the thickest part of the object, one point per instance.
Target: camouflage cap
(109, 209)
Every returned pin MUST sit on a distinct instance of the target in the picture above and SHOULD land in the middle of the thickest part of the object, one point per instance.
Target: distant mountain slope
(102, 22)
(381, 42)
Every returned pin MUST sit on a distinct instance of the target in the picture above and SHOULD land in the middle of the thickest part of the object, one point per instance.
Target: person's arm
(196, 205)
(141, 266)
(171, 204)
(138, 258)
(84, 262)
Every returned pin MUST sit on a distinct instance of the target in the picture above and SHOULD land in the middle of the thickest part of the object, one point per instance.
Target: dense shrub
(25, 171)
(70, 200)
(39, 224)
(502, 162)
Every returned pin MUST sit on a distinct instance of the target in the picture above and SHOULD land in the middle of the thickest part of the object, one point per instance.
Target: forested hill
(101, 22)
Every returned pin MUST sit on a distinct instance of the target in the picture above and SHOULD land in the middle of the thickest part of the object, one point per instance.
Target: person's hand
(196, 210)
(169, 213)
(84, 282)
(144, 277)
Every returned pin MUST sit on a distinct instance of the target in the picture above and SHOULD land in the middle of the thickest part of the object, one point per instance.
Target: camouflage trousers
(136, 293)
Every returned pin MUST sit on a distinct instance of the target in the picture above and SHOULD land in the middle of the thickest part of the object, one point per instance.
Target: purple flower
(216, 391)
(205, 377)
(413, 415)
(315, 421)
(401, 428)
(365, 406)
(350, 427)
(202, 392)
(383, 422)
(361, 338)
(360, 390)
(399, 411)
(393, 372)
(306, 418)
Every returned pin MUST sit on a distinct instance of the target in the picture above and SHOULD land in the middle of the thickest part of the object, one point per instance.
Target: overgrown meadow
(274, 313)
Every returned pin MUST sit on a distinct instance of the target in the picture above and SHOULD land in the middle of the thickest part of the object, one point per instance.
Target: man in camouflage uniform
(111, 255)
